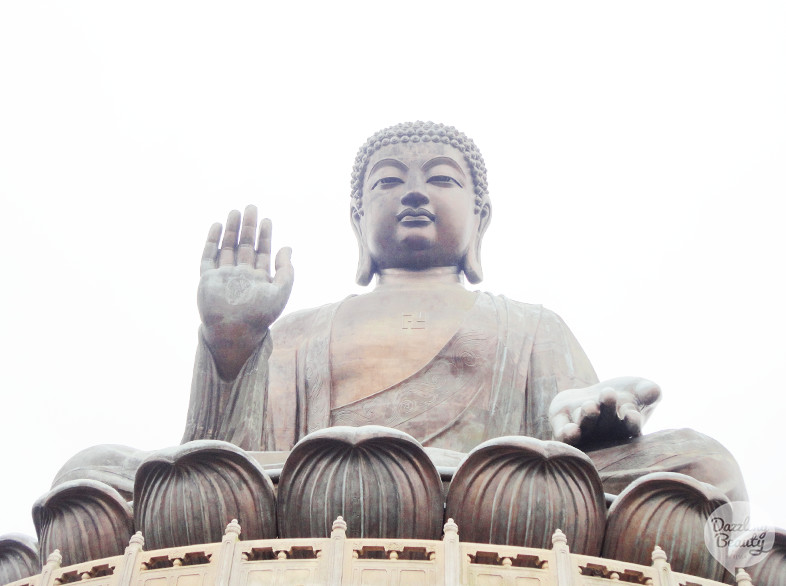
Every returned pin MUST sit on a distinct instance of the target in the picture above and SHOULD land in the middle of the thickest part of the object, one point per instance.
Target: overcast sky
(637, 169)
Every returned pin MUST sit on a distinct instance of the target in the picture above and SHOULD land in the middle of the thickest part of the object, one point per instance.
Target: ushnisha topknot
(417, 132)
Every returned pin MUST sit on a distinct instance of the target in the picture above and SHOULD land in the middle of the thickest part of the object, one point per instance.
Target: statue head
(419, 200)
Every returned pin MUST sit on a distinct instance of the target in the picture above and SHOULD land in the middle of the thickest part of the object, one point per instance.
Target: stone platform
(341, 560)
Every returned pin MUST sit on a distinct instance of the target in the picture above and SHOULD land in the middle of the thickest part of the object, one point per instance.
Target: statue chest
(377, 342)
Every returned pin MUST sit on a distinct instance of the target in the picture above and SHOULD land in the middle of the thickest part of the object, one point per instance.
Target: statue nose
(415, 197)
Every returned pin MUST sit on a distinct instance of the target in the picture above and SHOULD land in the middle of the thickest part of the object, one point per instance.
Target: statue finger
(285, 272)
(249, 226)
(587, 418)
(631, 419)
(211, 248)
(263, 245)
(588, 410)
(608, 398)
(607, 420)
(647, 392)
(246, 254)
(564, 429)
(229, 243)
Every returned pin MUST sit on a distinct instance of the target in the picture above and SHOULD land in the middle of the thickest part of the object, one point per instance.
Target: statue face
(419, 207)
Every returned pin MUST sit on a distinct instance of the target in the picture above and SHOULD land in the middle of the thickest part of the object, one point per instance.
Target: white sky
(636, 155)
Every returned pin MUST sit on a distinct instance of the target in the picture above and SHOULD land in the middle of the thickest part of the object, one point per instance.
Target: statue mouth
(419, 216)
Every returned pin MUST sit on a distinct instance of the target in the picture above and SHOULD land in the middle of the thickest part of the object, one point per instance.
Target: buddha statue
(366, 406)
(420, 352)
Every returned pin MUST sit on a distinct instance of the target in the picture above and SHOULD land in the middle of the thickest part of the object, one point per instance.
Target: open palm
(238, 297)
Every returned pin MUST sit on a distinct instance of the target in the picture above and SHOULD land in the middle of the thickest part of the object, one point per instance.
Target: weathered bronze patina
(419, 352)
(448, 369)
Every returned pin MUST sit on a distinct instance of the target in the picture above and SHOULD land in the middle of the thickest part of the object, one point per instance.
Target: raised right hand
(238, 298)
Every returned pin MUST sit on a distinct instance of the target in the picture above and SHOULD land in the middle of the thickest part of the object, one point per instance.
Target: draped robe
(496, 376)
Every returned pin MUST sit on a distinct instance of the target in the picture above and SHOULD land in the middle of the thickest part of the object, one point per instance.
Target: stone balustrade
(343, 560)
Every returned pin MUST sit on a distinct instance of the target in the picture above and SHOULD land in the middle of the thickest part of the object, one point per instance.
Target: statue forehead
(417, 153)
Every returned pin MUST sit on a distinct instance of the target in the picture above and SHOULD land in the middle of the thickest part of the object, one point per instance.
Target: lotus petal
(771, 571)
(84, 519)
(18, 557)
(518, 490)
(378, 479)
(668, 510)
(187, 494)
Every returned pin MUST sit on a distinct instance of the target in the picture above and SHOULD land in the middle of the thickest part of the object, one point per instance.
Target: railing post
(338, 539)
(130, 563)
(662, 567)
(452, 549)
(226, 555)
(743, 578)
(50, 567)
(562, 555)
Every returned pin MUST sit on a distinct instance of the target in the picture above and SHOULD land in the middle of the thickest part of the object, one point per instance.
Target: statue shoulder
(292, 329)
(542, 319)
(551, 322)
(548, 316)
(528, 311)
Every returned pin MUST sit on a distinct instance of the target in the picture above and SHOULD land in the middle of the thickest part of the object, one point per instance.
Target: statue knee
(112, 464)
(685, 451)
(711, 462)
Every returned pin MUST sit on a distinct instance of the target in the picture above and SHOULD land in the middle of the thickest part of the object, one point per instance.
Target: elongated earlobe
(366, 268)
(472, 268)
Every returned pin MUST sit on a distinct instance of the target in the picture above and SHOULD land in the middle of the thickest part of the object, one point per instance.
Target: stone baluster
(226, 556)
(130, 559)
(743, 578)
(452, 549)
(662, 568)
(338, 540)
(561, 551)
(51, 568)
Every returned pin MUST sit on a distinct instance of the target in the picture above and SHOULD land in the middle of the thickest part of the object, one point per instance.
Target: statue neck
(409, 278)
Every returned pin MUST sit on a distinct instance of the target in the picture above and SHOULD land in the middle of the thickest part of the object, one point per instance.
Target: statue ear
(472, 267)
(366, 268)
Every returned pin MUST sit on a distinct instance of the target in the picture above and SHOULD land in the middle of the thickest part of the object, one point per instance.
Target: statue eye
(443, 179)
(387, 182)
